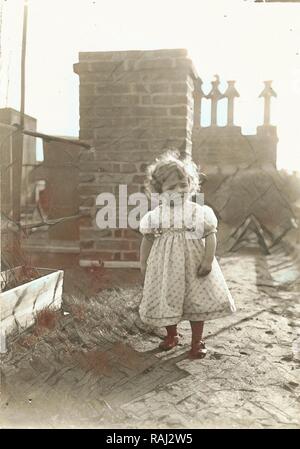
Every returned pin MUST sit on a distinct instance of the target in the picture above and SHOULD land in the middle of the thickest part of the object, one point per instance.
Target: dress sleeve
(210, 221)
(147, 225)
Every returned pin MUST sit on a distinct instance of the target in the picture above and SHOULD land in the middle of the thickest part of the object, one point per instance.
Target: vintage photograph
(150, 213)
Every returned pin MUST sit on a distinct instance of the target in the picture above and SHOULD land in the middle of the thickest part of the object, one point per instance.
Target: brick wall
(133, 104)
(224, 149)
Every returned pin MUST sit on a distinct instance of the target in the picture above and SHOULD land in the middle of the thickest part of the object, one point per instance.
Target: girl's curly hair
(160, 169)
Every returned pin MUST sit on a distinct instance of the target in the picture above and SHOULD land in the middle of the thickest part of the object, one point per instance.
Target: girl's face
(176, 183)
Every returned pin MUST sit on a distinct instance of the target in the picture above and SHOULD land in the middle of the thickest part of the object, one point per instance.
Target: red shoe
(198, 350)
(169, 342)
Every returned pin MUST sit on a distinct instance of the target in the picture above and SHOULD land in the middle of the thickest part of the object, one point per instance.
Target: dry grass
(78, 311)
(97, 361)
(46, 320)
(28, 341)
(127, 356)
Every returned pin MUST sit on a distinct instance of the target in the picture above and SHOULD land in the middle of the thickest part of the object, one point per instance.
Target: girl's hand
(204, 269)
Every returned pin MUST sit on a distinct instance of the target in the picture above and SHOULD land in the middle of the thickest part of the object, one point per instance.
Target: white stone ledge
(110, 264)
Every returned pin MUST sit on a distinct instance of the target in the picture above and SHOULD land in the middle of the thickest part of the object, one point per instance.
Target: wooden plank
(20, 304)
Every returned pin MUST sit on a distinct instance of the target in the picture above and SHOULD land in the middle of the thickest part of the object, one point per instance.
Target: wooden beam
(57, 139)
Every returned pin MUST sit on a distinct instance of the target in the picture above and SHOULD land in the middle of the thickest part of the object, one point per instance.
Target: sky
(236, 39)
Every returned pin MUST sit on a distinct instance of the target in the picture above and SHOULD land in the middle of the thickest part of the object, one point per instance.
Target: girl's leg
(198, 350)
(171, 340)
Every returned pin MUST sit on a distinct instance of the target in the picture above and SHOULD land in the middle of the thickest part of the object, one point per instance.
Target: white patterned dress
(172, 290)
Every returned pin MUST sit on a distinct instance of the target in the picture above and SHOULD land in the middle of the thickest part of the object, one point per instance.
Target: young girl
(183, 280)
